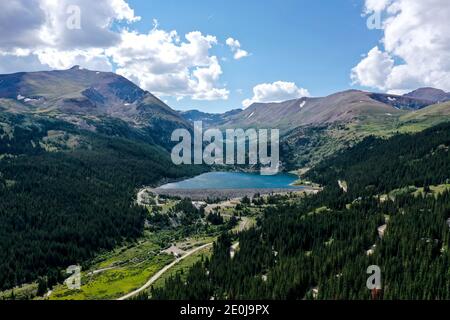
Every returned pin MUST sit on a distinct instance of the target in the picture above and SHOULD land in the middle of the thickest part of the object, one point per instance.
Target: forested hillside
(320, 246)
(377, 165)
(66, 193)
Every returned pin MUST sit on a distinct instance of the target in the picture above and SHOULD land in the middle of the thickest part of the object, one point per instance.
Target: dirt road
(162, 271)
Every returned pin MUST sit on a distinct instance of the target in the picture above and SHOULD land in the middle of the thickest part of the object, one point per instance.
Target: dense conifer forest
(321, 246)
(59, 208)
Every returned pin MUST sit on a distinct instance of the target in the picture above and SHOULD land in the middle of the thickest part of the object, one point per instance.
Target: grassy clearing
(319, 211)
(435, 190)
(126, 254)
(244, 224)
(183, 266)
(114, 283)
(132, 266)
(24, 292)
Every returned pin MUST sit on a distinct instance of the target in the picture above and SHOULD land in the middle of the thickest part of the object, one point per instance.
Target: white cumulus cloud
(160, 61)
(40, 24)
(275, 92)
(415, 48)
(235, 47)
(376, 5)
(373, 70)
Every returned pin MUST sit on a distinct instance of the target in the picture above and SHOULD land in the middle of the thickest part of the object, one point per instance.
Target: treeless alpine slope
(338, 107)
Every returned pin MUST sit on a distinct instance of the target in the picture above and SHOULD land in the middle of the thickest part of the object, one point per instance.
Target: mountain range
(312, 128)
(315, 128)
(89, 100)
(339, 107)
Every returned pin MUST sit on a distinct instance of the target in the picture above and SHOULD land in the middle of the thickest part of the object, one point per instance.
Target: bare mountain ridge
(313, 129)
(344, 107)
(338, 107)
(430, 94)
(209, 119)
(92, 99)
(81, 92)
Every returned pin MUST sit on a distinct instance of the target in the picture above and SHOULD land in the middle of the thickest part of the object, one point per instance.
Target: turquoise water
(235, 180)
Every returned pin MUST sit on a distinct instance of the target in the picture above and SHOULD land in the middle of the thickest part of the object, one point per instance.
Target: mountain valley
(77, 146)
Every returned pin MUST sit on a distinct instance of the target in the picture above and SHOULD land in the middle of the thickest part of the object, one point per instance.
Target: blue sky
(219, 55)
(312, 43)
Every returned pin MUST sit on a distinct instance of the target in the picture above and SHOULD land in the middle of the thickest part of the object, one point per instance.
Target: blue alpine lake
(236, 180)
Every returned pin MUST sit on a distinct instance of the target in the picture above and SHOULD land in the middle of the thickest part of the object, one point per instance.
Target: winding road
(158, 275)
(243, 225)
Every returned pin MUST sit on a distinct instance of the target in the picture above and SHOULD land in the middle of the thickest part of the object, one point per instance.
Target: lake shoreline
(204, 194)
(233, 185)
(235, 180)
